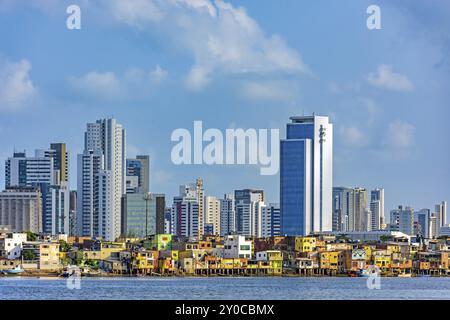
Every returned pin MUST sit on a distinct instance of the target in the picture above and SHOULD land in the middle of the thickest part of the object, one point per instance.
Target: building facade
(102, 179)
(227, 215)
(306, 176)
(21, 208)
(143, 214)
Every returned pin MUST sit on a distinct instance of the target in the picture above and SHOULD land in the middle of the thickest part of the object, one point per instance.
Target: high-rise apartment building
(358, 222)
(212, 214)
(402, 219)
(248, 210)
(378, 218)
(350, 209)
(200, 194)
(23, 171)
(306, 176)
(271, 219)
(423, 221)
(48, 170)
(101, 179)
(227, 215)
(441, 214)
(343, 208)
(73, 229)
(376, 221)
(185, 212)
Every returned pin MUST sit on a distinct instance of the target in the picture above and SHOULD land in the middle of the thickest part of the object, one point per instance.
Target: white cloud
(269, 90)
(158, 74)
(400, 135)
(108, 85)
(338, 88)
(352, 136)
(386, 78)
(372, 110)
(221, 38)
(97, 84)
(137, 12)
(16, 87)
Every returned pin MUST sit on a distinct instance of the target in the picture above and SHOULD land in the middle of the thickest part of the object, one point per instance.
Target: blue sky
(158, 65)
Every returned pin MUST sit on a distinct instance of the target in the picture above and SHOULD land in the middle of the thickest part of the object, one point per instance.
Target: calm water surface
(22, 288)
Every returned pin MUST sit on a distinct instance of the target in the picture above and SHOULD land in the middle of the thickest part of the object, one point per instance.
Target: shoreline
(58, 275)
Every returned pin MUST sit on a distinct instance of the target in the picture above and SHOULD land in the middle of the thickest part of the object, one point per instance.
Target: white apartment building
(11, 245)
(212, 213)
(237, 246)
(104, 150)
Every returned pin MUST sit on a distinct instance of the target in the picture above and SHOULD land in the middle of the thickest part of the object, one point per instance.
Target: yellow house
(393, 248)
(382, 259)
(368, 250)
(329, 260)
(272, 260)
(145, 261)
(305, 244)
(49, 256)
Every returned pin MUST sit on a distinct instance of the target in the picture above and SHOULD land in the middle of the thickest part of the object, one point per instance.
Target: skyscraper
(375, 208)
(101, 179)
(23, 171)
(271, 220)
(378, 217)
(306, 176)
(248, 206)
(212, 213)
(441, 214)
(423, 220)
(185, 212)
(402, 219)
(227, 215)
(47, 170)
(359, 220)
(138, 174)
(60, 157)
(343, 208)
(143, 214)
(200, 194)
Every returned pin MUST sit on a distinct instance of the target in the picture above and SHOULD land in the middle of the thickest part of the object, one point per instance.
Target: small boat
(17, 270)
(404, 275)
(367, 272)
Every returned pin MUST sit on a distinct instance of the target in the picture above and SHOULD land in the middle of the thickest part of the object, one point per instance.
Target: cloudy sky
(158, 65)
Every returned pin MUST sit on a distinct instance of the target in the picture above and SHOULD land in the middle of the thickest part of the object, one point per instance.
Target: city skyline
(384, 90)
(172, 193)
(105, 173)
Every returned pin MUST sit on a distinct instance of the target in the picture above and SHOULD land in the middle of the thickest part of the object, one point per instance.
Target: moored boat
(17, 270)
(404, 275)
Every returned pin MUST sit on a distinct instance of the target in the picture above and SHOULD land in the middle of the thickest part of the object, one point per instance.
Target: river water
(285, 288)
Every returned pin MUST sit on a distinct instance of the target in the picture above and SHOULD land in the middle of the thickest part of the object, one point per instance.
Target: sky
(159, 65)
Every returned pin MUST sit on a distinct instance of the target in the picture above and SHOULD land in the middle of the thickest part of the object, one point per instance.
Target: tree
(385, 238)
(63, 246)
(28, 255)
(31, 236)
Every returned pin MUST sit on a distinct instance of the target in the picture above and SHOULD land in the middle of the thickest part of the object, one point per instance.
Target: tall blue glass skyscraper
(306, 176)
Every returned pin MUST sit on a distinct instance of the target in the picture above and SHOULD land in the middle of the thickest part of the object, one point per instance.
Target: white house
(11, 245)
(237, 246)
